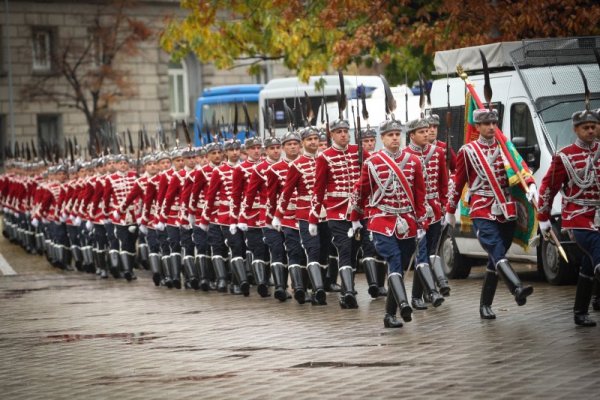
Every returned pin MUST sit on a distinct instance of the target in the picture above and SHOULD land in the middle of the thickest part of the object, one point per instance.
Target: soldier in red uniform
(257, 191)
(575, 171)
(217, 213)
(288, 224)
(171, 219)
(116, 188)
(150, 207)
(480, 164)
(391, 193)
(246, 217)
(434, 124)
(433, 163)
(299, 185)
(337, 171)
(195, 207)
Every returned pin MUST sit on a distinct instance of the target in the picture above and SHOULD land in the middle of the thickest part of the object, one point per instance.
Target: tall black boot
(66, 258)
(440, 276)
(154, 262)
(166, 273)
(260, 278)
(204, 271)
(218, 263)
(316, 280)
(77, 257)
(347, 298)
(583, 295)
(59, 251)
(175, 269)
(370, 266)
(114, 262)
(331, 284)
(280, 277)
(87, 256)
(127, 260)
(513, 283)
(295, 272)
(417, 301)
(596, 296)
(102, 263)
(381, 276)
(490, 282)
(389, 320)
(143, 255)
(396, 286)
(189, 270)
(239, 272)
(248, 265)
(428, 283)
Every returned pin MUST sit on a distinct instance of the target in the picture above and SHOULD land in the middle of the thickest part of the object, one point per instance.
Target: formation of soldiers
(290, 215)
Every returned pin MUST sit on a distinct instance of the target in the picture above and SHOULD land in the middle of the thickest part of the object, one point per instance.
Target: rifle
(186, 132)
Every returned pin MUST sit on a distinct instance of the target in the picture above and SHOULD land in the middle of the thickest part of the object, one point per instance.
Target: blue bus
(215, 112)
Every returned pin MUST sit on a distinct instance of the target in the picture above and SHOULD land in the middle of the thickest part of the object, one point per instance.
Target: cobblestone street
(71, 335)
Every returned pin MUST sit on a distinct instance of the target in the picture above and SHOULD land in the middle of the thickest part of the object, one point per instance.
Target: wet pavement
(71, 335)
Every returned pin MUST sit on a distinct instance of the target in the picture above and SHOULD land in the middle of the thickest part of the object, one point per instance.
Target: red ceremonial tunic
(299, 184)
(276, 176)
(218, 196)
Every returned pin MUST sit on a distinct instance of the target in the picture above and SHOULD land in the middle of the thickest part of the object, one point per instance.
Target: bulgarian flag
(516, 171)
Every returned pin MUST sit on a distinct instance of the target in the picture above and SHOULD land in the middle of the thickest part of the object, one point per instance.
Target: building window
(178, 90)
(42, 49)
(49, 133)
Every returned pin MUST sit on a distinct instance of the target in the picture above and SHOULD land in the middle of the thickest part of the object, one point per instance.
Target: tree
(89, 66)
(311, 37)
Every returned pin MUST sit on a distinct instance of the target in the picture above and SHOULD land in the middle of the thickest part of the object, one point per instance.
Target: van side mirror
(531, 154)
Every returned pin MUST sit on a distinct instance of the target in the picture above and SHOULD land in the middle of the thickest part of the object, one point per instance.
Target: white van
(292, 89)
(536, 87)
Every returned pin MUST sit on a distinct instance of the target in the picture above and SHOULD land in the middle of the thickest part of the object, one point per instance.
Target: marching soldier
(257, 190)
(288, 224)
(337, 170)
(493, 212)
(575, 171)
(223, 242)
(391, 192)
(195, 207)
(433, 163)
(251, 226)
(116, 188)
(434, 124)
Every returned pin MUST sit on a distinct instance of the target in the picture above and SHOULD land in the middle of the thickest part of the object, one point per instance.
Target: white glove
(420, 234)
(5, 210)
(63, 217)
(204, 227)
(35, 222)
(191, 219)
(88, 225)
(233, 229)
(242, 227)
(533, 194)
(159, 226)
(450, 219)
(144, 229)
(132, 228)
(116, 215)
(276, 223)
(313, 229)
(545, 226)
(77, 221)
(356, 225)
(106, 221)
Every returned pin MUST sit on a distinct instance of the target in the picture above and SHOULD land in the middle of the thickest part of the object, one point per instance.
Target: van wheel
(554, 268)
(456, 265)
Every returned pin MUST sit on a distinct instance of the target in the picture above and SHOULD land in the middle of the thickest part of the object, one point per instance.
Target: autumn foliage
(311, 37)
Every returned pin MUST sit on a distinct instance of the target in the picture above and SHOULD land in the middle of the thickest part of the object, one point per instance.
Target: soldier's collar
(486, 142)
(393, 156)
(416, 148)
(253, 161)
(271, 161)
(338, 147)
(310, 155)
(584, 145)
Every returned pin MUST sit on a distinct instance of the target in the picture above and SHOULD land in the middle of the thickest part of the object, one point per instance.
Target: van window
(521, 124)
